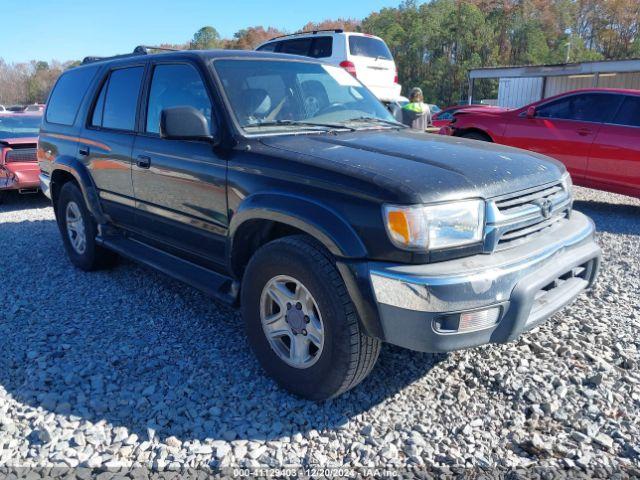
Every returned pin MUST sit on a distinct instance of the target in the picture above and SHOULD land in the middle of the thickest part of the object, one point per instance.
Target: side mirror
(531, 112)
(186, 123)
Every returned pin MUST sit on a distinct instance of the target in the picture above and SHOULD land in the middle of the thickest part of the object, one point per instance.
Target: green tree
(205, 39)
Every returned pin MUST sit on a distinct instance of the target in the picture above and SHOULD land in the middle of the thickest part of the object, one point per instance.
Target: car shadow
(611, 217)
(12, 201)
(139, 350)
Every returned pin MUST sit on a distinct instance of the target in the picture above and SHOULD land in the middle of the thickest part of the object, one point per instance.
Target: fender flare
(318, 221)
(326, 226)
(82, 177)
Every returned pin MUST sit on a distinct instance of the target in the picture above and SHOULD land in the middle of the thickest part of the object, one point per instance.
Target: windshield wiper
(294, 123)
(378, 120)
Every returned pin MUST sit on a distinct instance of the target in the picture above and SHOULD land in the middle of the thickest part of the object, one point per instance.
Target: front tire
(300, 320)
(79, 230)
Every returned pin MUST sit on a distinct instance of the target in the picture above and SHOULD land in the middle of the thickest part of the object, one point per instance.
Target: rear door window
(298, 46)
(368, 47)
(629, 113)
(96, 119)
(67, 95)
(118, 100)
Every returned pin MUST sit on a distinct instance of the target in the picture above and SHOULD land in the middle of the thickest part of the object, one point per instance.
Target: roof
(204, 54)
(560, 69)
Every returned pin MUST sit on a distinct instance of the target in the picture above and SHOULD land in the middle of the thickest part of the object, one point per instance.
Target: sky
(72, 29)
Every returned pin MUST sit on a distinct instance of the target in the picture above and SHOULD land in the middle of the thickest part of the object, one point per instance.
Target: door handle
(84, 150)
(584, 131)
(143, 161)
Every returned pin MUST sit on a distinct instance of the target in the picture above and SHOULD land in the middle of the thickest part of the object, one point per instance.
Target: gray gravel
(130, 368)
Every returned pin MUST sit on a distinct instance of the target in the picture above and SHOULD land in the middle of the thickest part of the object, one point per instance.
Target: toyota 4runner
(282, 185)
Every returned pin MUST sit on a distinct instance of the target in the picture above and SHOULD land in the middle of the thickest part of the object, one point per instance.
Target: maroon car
(18, 163)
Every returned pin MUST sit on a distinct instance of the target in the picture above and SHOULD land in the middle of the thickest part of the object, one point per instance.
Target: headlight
(567, 184)
(432, 227)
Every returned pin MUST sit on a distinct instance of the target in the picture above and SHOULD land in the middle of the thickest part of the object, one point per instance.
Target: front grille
(517, 218)
(21, 155)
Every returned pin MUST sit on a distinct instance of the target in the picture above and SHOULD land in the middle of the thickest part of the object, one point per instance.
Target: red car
(444, 117)
(18, 163)
(594, 132)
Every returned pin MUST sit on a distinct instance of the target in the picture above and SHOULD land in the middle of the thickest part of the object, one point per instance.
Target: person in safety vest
(416, 114)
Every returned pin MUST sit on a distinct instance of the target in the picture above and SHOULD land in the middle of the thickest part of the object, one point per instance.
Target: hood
(20, 141)
(425, 167)
(488, 109)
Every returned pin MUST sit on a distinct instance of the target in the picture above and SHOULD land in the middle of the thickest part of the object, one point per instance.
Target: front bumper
(418, 304)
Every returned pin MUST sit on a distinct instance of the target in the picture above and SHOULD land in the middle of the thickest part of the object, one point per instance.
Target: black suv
(280, 184)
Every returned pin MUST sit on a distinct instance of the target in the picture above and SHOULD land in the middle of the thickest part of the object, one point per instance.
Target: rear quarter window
(67, 95)
(322, 47)
(368, 47)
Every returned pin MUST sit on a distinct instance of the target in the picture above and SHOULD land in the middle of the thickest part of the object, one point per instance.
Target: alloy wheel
(291, 321)
(75, 228)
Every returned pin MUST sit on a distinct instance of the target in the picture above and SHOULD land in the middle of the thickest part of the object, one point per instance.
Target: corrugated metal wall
(620, 80)
(517, 92)
(556, 85)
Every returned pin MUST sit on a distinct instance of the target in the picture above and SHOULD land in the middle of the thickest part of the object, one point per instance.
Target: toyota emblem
(545, 207)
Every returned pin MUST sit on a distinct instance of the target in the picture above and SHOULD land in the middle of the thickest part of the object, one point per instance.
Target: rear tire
(79, 230)
(337, 355)
(477, 136)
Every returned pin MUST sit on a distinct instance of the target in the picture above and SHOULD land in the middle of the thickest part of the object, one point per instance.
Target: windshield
(19, 126)
(269, 96)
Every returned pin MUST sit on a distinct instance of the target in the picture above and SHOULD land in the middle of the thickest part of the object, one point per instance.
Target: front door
(563, 129)
(180, 186)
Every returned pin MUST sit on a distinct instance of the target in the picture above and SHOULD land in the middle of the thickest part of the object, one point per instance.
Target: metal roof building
(519, 86)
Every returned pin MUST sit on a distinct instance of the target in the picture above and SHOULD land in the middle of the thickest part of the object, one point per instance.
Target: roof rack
(139, 50)
(334, 30)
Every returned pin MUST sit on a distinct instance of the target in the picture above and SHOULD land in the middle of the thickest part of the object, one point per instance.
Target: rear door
(614, 162)
(107, 140)
(564, 128)
(179, 185)
(373, 61)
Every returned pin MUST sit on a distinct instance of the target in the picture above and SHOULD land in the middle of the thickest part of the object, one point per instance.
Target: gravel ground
(128, 367)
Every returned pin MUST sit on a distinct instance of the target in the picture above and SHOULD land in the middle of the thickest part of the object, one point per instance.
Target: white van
(364, 56)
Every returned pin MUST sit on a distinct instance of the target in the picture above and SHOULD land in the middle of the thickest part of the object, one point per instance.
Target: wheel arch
(462, 131)
(268, 216)
(70, 169)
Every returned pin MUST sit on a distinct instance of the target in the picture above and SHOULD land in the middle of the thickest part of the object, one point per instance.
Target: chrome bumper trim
(477, 281)
(45, 184)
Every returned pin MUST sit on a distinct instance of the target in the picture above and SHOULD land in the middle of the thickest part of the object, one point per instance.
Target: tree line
(434, 43)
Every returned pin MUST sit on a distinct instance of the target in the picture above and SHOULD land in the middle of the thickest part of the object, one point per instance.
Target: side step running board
(212, 283)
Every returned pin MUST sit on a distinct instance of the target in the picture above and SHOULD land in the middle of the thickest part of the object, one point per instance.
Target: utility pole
(568, 32)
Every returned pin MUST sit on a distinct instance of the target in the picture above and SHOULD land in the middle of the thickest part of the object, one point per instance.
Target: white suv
(364, 56)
